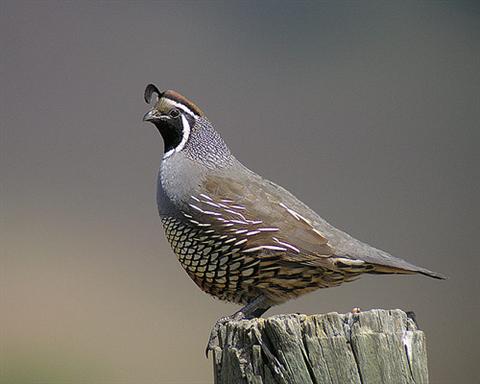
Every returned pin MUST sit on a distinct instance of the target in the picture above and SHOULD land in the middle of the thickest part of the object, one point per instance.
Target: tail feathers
(383, 262)
(385, 269)
(429, 273)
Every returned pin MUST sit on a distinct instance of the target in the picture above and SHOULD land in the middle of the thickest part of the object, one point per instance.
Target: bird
(240, 237)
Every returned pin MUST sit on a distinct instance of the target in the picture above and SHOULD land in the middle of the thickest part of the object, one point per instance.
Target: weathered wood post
(374, 347)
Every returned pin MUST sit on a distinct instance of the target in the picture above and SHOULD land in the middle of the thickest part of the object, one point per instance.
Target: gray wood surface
(374, 347)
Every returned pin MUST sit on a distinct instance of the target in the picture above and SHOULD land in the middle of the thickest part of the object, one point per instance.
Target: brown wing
(266, 246)
(275, 218)
(255, 218)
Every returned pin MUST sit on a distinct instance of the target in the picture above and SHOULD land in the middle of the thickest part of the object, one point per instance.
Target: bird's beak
(151, 116)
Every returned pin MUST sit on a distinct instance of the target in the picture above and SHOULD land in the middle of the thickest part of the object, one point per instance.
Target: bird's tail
(407, 270)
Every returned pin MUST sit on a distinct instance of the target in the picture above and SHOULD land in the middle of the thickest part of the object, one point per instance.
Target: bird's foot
(213, 339)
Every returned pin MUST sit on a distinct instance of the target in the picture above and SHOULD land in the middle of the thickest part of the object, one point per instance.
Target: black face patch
(171, 131)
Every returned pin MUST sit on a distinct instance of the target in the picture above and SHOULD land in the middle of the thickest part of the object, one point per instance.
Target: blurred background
(367, 111)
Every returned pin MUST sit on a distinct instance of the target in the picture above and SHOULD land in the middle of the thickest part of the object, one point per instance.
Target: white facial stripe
(183, 108)
(169, 153)
(186, 135)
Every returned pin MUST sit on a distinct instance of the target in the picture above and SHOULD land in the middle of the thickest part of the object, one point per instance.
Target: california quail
(242, 238)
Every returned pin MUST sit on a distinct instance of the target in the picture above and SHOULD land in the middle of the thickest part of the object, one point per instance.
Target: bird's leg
(254, 309)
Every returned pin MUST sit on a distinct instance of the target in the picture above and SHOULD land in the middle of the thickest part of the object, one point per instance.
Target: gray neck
(206, 146)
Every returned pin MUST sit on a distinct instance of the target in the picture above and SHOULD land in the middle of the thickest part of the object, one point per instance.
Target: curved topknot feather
(149, 91)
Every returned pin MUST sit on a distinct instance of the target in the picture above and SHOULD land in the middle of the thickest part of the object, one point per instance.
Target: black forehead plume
(149, 91)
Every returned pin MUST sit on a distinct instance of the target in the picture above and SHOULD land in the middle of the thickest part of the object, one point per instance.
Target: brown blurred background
(367, 111)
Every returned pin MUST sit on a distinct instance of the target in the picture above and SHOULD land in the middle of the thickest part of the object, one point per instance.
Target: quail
(240, 237)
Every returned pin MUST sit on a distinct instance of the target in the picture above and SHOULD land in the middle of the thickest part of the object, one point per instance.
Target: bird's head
(173, 115)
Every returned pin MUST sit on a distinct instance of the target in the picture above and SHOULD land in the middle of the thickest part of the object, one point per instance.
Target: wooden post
(374, 347)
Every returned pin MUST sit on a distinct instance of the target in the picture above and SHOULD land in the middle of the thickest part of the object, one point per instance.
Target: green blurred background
(367, 111)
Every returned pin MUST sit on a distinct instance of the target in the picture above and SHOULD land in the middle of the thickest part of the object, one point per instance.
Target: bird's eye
(174, 113)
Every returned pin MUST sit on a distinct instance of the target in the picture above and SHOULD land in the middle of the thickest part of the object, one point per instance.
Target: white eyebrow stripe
(184, 108)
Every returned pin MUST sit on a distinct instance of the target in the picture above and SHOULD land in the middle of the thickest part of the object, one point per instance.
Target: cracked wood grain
(374, 347)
